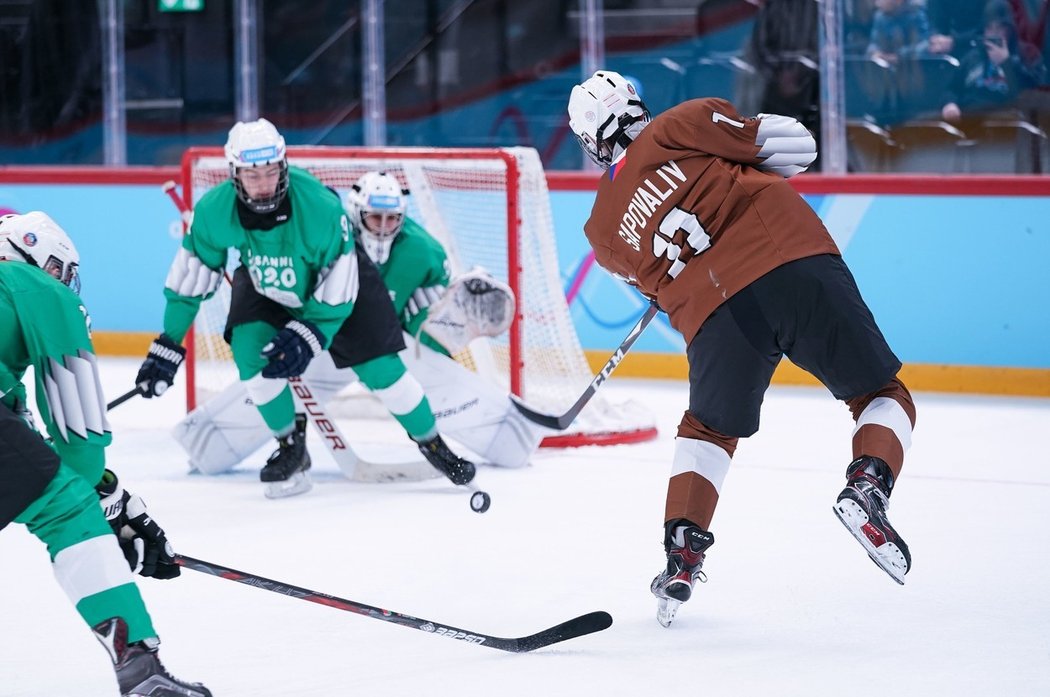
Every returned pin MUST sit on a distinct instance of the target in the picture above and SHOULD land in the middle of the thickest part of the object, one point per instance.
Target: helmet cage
(379, 207)
(255, 144)
(261, 205)
(68, 274)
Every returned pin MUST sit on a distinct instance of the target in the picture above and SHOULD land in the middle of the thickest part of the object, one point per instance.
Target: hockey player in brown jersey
(695, 211)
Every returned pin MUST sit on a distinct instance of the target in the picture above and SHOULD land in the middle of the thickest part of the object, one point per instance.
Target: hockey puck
(480, 502)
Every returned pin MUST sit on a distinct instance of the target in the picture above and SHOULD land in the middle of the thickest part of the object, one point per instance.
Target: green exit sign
(180, 5)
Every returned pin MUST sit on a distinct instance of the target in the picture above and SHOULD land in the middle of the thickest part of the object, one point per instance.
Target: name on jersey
(262, 260)
(647, 198)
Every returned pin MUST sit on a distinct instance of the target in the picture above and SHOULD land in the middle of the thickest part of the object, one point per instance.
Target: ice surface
(793, 606)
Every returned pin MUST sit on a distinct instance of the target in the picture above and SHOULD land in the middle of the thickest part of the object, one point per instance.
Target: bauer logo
(259, 154)
(428, 627)
(461, 636)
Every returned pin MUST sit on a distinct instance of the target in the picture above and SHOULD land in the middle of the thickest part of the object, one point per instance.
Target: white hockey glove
(475, 304)
(143, 542)
(291, 349)
(787, 146)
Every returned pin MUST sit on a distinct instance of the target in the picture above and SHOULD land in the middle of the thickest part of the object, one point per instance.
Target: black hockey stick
(562, 422)
(138, 389)
(584, 624)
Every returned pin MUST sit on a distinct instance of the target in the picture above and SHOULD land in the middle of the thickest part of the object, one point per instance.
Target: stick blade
(580, 626)
(557, 423)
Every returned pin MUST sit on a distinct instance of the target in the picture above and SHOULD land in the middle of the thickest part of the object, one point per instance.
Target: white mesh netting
(462, 198)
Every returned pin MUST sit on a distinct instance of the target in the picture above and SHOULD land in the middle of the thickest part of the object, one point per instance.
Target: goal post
(488, 207)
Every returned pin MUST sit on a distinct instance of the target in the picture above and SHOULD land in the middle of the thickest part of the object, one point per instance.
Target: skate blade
(298, 483)
(666, 609)
(887, 557)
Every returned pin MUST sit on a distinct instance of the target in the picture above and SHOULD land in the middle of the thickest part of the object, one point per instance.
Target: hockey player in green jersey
(415, 269)
(55, 490)
(302, 287)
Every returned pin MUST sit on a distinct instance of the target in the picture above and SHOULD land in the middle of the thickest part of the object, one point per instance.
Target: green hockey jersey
(44, 324)
(416, 273)
(306, 263)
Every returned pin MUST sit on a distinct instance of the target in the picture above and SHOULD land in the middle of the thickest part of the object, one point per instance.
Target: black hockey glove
(144, 544)
(291, 349)
(158, 370)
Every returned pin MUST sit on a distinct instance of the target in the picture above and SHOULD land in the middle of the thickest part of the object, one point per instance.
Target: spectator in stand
(784, 49)
(993, 73)
(1031, 31)
(858, 18)
(899, 30)
(954, 24)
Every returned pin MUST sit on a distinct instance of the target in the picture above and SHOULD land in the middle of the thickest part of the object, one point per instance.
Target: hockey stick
(184, 211)
(359, 470)
(560, 423)
(350, 463)
(139, 389)
(580, 626)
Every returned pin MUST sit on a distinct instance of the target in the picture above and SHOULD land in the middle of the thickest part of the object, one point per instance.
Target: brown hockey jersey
(687, 217)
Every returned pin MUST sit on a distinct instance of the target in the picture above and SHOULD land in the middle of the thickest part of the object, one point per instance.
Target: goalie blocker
(477, 414)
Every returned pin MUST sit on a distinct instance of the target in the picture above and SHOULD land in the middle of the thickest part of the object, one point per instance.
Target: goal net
(489, 208)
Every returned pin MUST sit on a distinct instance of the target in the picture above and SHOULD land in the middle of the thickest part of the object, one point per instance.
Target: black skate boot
(139, 670)
(437, 453)
(685, 545)
(285, 470)
(862, 509)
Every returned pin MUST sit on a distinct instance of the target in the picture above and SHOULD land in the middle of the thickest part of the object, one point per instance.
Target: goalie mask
(36, 239)
(377, 206)
(606, 115)
(258, 162)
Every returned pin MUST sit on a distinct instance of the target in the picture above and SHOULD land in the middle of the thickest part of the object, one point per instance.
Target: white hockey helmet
(34, 238)
(377, 207)
(606, 114)
(257, 144)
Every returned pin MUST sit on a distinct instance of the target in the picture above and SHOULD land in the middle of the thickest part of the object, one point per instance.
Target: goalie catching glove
(475, 304)
(157, 373)
(291, 349)
(143, 542)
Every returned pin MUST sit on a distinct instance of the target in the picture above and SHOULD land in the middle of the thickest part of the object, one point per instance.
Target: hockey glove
(144, 544)
(291, 349)
(158, 370)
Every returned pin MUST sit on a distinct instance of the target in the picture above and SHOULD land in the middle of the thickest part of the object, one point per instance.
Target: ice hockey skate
(285, 472)
(862, 509)
(438, 454)
(139, 670)
(685, 545)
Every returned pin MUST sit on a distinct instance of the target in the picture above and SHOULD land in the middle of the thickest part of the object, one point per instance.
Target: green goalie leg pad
(247, 342)
(400, 393)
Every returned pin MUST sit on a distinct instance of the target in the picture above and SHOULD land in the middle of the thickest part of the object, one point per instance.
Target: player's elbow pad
(786, 146)
(190, 277)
